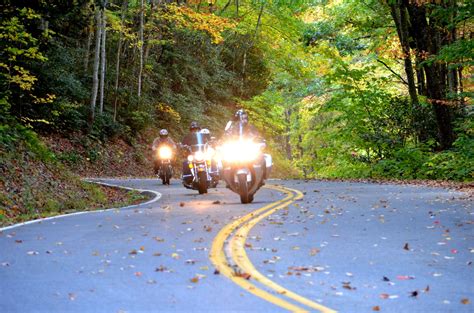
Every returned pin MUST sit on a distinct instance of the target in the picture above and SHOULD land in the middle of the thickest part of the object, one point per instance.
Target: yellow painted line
(241, 227)
(219, 260)
(237, 248)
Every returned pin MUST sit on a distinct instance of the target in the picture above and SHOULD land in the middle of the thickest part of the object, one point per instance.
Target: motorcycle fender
(242, 171)
(258, 178)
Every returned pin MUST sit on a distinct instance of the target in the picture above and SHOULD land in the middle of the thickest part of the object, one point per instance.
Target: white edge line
(156, 198)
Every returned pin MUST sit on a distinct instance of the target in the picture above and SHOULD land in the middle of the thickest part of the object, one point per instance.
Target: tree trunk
(103, 60)
(95, 74)
(140, 43)
(429, 36)
(399, 15)
(250, 45)
(119, 51)
(88, 48)
(288, 149)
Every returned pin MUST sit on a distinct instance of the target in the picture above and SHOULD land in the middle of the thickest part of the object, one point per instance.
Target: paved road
(350, 247)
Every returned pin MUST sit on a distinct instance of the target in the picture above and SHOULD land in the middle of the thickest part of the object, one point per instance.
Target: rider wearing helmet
(189, 140)
(239, 125)
(163, 139)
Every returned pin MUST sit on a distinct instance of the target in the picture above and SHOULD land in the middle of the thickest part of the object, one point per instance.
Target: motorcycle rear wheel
(202, 182)
(245, 197)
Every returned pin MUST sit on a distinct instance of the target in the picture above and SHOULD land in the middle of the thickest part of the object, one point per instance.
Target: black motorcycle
(203, 173)
(165, 169)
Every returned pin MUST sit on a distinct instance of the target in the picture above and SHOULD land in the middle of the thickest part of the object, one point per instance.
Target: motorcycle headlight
(199, 156)
(165, 153)
(240, 151)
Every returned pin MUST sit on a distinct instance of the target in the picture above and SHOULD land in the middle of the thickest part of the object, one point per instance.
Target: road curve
(348, 247)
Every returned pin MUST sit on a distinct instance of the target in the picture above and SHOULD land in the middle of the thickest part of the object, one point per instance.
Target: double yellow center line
(236, 265)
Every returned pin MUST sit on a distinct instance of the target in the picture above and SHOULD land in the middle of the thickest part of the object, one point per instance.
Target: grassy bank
(35, 184)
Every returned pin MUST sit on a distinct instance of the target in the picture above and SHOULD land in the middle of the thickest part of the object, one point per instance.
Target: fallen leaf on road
(138, 274)
(406, 247)
(243, 275)
(19, 241)
(208, 228)
(133, 252)
(347, 285)
(161, 269)
(376, 308)
(216, 202)
(465, 301)
(385, 278)
(194, 280)
(181, 204)
(414, 294)
(157, 254)
(159, 239)
(384, 296)
(314, 251)
(427, 289)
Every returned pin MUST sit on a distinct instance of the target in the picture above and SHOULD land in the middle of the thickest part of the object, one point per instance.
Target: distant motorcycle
(204, 174)
(165, 169)
(245, 167)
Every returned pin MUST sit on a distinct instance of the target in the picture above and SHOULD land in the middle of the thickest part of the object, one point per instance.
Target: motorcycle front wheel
(202, 182)
(245, 197)
(167, 176)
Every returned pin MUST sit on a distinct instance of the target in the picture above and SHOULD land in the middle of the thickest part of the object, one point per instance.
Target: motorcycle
(245, 167)
(165, 169)
(203, 173)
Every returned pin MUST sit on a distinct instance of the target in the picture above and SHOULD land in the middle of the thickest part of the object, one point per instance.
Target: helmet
(163, 133)
(194, 126)
(241, 116)
(205, 131)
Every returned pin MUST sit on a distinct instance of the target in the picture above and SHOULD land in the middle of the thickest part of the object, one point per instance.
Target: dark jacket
(163, 141)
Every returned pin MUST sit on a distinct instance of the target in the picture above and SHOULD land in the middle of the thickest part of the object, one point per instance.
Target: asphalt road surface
(300, 246)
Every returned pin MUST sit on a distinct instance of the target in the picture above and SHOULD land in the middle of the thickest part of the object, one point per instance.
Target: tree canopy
(339, 88)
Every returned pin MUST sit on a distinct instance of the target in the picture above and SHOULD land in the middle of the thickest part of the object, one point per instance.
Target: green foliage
(13, 136)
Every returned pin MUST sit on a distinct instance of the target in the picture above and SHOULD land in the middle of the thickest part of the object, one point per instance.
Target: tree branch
(394, 73)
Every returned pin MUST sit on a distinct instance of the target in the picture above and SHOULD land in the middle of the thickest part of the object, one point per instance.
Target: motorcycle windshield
(198, 142)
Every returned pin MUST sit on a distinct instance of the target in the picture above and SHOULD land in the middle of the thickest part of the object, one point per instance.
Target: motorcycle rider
(162, 139)
(189, 140)
(240, 121)
(239, 126)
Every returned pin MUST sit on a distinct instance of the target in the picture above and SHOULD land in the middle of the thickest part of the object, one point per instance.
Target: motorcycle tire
(245, 197)
(202, 182)
(167, 176)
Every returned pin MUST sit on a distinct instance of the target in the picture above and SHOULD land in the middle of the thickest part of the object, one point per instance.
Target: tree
(95, 73)
(103, 57)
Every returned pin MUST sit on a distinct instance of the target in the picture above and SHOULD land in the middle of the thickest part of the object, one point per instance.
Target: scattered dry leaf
(376, 308)
(465, 301)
